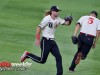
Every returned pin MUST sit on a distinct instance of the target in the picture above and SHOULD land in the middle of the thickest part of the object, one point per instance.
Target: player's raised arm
(66, 21)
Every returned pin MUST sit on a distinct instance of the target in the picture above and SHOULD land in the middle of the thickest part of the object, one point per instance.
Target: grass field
(18, 22)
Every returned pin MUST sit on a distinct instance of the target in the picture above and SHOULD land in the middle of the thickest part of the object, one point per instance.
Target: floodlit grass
(18, 22)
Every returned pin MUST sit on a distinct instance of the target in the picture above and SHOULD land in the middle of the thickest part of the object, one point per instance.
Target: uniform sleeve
(61, 21)
(80, 21)
(98, 28)
(43, 23)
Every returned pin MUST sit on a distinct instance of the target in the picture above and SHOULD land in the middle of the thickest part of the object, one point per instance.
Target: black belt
(48, 38)
(87, 34)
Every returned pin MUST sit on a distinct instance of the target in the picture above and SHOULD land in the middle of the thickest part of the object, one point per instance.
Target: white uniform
(89, 25)
(99, 26)
(48, 26)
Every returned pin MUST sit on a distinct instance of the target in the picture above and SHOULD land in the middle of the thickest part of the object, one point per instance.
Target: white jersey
(89, 25)
(48, 26)
(99, 26)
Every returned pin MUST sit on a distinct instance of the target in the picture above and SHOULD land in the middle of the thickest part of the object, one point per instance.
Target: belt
(48, 38)
(87, 34)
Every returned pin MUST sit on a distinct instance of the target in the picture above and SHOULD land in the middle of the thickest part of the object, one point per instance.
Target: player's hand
(69, 19)
(74, 39)
(94, 45)
(37, 42)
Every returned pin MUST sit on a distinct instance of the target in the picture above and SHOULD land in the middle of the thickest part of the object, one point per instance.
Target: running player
(48, 25)
(89, 28)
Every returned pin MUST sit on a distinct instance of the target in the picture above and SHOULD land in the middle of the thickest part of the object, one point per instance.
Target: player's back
(89, 24)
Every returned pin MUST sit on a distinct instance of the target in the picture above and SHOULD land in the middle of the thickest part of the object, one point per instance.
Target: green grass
(18, 22)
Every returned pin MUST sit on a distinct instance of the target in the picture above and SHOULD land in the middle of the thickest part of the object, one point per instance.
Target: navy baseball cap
(55, 8)
(94, 12)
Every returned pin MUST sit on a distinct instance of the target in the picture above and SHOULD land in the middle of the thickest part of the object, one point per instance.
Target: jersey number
(50, 24)
(90, 21)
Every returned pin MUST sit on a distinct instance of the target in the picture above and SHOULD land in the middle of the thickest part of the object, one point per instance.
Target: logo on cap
(55, 8)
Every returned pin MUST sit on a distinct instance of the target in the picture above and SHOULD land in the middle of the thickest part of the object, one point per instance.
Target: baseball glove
(68, 18)
(74, 39)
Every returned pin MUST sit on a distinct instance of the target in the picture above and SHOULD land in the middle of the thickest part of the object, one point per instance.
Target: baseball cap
(94, 12)
(55, 8)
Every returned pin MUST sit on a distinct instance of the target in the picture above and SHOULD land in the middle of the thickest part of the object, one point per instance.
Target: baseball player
(89, 33)
(48, 45)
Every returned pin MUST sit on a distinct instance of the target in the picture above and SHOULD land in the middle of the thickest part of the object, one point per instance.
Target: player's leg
(45, 48)
(55, 52)
(83, 49)
(88, 42)
(75, 61)
(80, 55)
(77, 56)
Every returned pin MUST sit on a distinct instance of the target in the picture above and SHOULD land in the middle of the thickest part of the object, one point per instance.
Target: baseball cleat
(23, 57)
(78, 59)
(70, 70)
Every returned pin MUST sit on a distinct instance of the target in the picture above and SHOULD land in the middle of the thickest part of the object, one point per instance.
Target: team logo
(57, 7)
